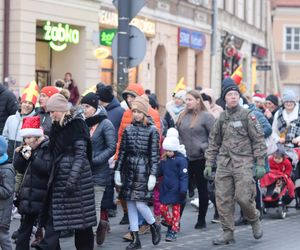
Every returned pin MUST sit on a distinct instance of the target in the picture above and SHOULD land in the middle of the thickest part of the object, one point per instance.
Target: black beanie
(273, 99)
(229, 85)
(91, 99)
(105, 93)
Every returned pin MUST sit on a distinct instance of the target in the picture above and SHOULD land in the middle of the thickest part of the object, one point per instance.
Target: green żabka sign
(107, 36)
(59, 35)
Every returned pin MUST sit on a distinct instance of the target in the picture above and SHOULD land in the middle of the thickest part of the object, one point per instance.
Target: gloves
(259, 172)
(118, 178)
(70, 188)
(151, 182)
(207, 173)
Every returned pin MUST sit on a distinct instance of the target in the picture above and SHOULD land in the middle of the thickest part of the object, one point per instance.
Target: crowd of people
(65, 157)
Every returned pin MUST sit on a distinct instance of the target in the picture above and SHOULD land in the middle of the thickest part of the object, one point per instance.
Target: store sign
(59, 35)
(191, 39)
(107, 36)
(110, 19)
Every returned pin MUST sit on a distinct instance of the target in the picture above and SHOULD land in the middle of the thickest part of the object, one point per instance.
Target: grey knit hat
(289, 96)
(57, 102)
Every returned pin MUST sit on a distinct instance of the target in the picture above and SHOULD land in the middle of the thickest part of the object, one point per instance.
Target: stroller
(277, 202)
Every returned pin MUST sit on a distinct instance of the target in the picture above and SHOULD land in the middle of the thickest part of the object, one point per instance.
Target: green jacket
(237, 137)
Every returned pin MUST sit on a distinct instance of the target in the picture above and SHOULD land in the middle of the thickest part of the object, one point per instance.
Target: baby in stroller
(278, 187)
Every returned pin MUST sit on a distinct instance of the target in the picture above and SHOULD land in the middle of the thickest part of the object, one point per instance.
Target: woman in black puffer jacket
(138, 164)
(71, 188)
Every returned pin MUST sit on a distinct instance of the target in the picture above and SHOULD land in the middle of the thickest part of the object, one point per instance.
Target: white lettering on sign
(108, 18)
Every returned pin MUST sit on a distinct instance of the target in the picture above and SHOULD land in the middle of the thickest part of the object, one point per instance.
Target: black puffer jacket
(34, 185)
(104, 146)
(138, 158)
(8, 105)
(71, 182)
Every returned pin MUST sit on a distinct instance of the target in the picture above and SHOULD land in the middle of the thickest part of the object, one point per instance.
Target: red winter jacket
(285, 166)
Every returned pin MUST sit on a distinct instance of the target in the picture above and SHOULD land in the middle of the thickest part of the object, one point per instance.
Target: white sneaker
(195, 203)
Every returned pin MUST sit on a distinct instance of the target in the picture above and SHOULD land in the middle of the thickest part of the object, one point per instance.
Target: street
(278, 234)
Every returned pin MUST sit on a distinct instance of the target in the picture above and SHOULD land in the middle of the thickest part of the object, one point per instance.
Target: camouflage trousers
(235, 184)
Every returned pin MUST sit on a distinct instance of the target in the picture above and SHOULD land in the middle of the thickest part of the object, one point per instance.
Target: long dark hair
(201, 107)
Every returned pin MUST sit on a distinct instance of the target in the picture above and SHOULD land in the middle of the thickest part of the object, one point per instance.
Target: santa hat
(30, 93)
(259, 97)
(31, 127)
(49, 90)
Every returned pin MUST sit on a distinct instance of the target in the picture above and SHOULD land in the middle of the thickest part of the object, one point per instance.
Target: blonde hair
(200, 107)
(62, 119)
(145, 120)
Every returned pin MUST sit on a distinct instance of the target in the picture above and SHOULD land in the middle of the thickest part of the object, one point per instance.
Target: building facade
(48, 38)
(242, 41)
(286, 36)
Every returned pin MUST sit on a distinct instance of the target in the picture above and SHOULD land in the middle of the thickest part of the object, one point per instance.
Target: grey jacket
(195, 139)
(7, 188)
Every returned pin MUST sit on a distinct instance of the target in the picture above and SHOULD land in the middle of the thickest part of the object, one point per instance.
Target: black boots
(135, 243)
(155, 231)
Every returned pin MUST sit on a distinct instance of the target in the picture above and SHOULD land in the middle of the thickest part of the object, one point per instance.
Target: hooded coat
(212, 107)
(71, 186)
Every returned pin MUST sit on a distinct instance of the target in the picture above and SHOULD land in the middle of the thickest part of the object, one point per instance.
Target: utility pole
(123, 44)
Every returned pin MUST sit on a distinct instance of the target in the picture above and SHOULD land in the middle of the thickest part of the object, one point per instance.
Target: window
(292, 38)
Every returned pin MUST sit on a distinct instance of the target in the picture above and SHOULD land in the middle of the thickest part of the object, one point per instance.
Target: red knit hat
(49, 90)
(31, 127)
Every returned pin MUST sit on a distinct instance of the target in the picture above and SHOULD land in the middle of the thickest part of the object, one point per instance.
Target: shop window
(292, 38)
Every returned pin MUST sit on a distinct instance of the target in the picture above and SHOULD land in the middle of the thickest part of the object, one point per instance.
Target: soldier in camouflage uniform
(237, 148)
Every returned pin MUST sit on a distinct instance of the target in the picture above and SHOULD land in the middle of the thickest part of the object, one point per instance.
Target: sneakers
(124, 220)
(195, 203)
(257, 229)
(144, 229)
(225, 238)
(171, 236)
(216, 219)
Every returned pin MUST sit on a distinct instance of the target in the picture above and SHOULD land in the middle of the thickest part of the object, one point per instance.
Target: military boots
(257, 229)
(225, 238)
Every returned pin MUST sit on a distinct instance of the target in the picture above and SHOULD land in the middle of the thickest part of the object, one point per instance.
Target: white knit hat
(289, 96)
(171, 144)
(172, 132)
(181, 94)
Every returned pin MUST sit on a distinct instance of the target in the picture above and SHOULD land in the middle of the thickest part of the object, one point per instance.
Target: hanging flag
(180, 85)
(237, 75)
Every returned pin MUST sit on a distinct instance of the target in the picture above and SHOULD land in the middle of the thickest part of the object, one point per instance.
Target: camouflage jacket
(238, 137)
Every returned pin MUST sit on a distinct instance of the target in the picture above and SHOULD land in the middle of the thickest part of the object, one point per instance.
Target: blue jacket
(175, 179)
(263, 121)
(115, 114)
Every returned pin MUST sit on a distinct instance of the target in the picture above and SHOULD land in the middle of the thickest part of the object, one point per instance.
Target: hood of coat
(75, 113)
(134, 89)
(210, 93)
(113, 104)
